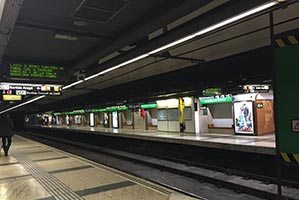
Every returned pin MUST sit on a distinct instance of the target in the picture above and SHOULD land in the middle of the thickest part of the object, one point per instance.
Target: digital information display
(30, 89)
(36, 71)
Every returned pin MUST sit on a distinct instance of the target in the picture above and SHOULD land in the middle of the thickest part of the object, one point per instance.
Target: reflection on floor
(259, 144)
(36, 171)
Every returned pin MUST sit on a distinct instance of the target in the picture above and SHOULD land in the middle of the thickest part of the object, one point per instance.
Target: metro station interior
(149, 100)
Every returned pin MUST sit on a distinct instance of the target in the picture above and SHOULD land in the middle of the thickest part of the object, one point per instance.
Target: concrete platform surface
(36, 171)
(255, 144)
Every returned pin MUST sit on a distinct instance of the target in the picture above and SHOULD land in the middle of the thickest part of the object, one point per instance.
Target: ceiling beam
(169, 56)
(10, 12)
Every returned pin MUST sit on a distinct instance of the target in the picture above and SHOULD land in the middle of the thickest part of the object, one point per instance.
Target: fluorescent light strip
(22, 104)
(117, 66)
(236, 18)
(216, 26)
(182, 40)
(189, 37)
(72, 84)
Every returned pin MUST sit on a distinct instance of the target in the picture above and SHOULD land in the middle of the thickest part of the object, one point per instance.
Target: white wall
(190, 128)
(203, 123)
(162, 125)
(223, 122)
(139, 122)
(174, 126)
(128, 117)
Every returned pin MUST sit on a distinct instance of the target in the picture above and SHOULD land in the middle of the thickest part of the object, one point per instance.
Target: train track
(234, 180)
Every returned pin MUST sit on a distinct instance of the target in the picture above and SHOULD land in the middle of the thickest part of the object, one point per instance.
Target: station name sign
(223, 99)
(30, 89)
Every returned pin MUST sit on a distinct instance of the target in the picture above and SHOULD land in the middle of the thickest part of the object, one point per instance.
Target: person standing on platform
(6, 132)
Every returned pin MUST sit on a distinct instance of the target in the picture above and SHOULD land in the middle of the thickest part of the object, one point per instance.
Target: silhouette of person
(6, 132)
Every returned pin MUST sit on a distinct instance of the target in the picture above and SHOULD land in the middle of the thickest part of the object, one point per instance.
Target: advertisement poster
(114, 120)
(243, 117)
(91, 119)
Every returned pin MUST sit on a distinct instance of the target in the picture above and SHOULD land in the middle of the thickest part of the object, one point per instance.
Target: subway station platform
(254, 144)
(36, 171)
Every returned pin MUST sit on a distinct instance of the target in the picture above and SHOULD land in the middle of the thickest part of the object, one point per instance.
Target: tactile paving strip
(54, 186)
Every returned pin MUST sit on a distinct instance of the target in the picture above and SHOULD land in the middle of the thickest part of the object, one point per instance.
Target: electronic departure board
(30, 89)
(42, 72)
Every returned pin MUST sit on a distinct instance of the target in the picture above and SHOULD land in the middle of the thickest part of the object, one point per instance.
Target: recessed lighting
(65, 37)
(80, 23)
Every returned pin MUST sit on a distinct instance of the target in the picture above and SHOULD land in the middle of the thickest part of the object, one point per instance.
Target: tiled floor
(260, 144)
(35, 171)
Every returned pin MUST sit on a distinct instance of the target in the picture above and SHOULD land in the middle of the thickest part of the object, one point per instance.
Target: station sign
(295, 125)
(215, 100)
(256, 88)
(211, 91)
(11, 97)
(75, 112)
(109, 109)
(30, 89)
(259, 105)
(148, 106)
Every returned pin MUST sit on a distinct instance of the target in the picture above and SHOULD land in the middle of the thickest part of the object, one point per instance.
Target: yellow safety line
(292, 39)
(285, 157)
(280, 43)
(296, 156)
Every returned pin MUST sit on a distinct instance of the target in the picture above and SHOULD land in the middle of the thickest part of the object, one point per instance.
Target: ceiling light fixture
(72, 84)
(80, 23)
(2, 3)
(117, 66)
(65, 37)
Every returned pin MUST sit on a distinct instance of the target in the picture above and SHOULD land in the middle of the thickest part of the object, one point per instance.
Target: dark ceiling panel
(42, 46)
(58, 13)
(109, 6)
(94, 15)
(100, 10)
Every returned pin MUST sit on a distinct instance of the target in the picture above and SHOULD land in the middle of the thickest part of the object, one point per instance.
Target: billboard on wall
(243, 116)
(115, 119)
(91, 120)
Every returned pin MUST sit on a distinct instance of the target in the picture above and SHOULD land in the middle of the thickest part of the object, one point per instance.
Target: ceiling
(104, 33)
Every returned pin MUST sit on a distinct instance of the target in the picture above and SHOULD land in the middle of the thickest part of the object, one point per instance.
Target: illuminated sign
(216, 100)
(148, 106)
(74, 112)
(256, 88)
(30, 89)
(110, 109)
(259, 105)
(211, 91)
(7, 97)
(25, 71)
